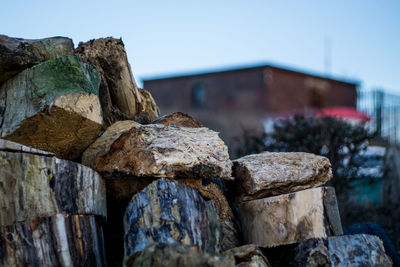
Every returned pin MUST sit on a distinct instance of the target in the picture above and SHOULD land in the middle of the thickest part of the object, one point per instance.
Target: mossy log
(52, 106)
(17, 54)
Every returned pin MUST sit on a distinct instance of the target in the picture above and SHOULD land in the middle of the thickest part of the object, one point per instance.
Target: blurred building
(231, 100)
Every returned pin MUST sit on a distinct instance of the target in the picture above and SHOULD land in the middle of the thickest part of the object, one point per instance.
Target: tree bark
(58, 240)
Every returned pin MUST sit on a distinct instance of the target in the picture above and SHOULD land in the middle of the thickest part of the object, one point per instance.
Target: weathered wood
(59, 240)
(17, 54)
(230, 235)
(103, 144)
(170, 212)
(52, 106)
(120, 97)
(270, 173)
(33, 186)
(6, 145)
(248, 256)
(290, 218)
(178, 119)
(178, 255)
(345, 251)
(167, 151)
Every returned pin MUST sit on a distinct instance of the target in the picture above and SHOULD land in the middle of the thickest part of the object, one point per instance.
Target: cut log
(212, 192)
(178, 119)
(167, 151)
(102, 144)
(170, 212)
(347, 251)
(178, 255)
(120, 97)
(18, 54)
(290, 218)
(270, 173)
(59, 240)
(53, 107)
(34, 186)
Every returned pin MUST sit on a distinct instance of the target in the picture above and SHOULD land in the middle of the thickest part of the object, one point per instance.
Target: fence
(384, 109)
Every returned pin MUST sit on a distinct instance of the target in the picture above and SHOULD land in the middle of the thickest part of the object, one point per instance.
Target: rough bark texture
(52, 106)
(248, 256)
(178, 255)
(212, 192)
(18, 54)
(349, 250)
(271, 173)
(102, 144)
(33, 186)
(59, 240)
(119, 95)
(167, 151)
(170, 212)
(290, 218)
(178, 119)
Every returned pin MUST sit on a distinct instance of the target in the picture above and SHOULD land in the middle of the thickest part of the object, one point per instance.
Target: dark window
(199, 95)
(317, 97)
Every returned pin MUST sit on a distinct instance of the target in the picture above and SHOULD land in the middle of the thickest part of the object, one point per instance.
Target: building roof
(249, 67)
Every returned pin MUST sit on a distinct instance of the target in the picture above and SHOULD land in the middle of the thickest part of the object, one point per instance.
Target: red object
(344, 113)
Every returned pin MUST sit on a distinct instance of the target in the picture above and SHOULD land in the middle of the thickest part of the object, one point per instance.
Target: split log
(178, 255)
(290, 218)
(59, 240)
(53, 106)
(179, 119)
(34, 186)
(170, 212)
(347, 251)
(120, 97)
(270, 173)
(17, 54)
(167, 151)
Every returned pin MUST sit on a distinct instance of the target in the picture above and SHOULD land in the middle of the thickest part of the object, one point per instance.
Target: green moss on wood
(64, 75)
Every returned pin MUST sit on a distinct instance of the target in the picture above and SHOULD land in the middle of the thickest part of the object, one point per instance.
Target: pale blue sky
(163, 37)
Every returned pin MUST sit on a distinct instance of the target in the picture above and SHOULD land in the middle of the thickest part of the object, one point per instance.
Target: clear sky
(362, 37)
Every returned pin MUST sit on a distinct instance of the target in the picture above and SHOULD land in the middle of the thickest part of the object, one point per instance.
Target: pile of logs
(91, 175)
